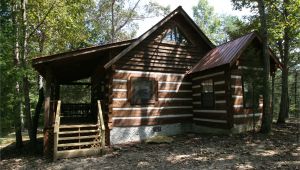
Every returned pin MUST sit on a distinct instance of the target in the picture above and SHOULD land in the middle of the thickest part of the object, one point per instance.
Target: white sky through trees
(221, 7)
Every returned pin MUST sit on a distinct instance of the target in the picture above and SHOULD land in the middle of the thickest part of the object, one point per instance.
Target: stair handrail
(56, 129)
(100, 121)
(57, 116)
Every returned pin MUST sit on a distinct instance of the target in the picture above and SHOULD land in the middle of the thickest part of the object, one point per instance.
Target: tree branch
(129, 17)
(43, 20)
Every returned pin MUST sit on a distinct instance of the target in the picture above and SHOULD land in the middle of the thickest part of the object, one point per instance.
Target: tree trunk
(273, 95)
(39, 105)
(17, 118)
(112, 38)
(36, 117)
(284, 95)
(267, 117)
(284, 101)
(295, 99)
(16, 59)
(26, 83)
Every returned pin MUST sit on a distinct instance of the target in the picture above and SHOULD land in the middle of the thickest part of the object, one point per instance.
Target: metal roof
(223, 54)
(228, 52)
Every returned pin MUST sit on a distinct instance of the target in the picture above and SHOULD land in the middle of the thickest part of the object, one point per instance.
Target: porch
(72, 126)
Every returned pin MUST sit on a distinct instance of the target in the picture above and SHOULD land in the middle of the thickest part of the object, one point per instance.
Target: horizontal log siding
(241, 115)
(216, 117)
(167, 63)
(173, 105)
(160, 57)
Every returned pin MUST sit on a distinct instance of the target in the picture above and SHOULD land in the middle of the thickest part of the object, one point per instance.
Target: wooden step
(78, 126)
(77, 144)
(77, 153)
(78, 131)
(78, 137)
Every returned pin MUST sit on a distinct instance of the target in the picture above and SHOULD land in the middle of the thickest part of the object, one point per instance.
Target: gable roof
(177, 11)
(228, 53)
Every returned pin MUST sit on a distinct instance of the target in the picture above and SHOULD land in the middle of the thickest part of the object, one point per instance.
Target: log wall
(167, 63)
(242, 116)
(173, 103)
(217, 116)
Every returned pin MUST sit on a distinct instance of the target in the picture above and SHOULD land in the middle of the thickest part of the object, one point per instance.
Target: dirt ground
(279, 150)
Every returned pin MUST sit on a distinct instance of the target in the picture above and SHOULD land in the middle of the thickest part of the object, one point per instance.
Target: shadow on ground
(279, 150)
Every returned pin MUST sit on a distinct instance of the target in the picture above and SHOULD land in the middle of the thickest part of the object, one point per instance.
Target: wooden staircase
(75, 140)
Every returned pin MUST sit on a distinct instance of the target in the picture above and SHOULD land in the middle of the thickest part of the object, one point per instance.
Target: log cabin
(170, 80)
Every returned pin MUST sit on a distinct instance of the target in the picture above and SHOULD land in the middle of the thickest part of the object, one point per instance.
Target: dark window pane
(143, 91)
(207, 93)
(248, 94)
(208, 99)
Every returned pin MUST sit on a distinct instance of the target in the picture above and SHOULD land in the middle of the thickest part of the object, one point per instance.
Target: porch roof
(78, 64)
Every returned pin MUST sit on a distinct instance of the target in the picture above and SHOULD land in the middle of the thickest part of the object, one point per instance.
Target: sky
(221, 7)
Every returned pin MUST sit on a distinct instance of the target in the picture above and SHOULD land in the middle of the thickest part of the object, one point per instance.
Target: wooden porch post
(48, 130)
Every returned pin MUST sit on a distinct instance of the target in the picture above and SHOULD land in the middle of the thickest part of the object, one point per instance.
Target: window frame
(244, 94)
(154, 89)
(213, 94)
(170, 31)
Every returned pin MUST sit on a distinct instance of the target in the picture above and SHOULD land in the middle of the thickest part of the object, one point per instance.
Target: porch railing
(100, 122)
(56, 128)
(75, 110)
(96, 144)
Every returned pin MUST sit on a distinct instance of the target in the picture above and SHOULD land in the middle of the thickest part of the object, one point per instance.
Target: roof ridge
(142, 37)
(252, 32)
(224, 54)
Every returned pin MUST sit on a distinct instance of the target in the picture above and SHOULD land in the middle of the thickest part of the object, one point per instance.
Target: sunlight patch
(228, 157)
(181, 158)
(266, 153)
(246, 165)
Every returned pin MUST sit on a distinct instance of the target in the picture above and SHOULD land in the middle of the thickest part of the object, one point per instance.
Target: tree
(286, 31)
(283, 28)
(267, 116)
(207, 20)
(114, 20)
(10, 101)
(260, 5)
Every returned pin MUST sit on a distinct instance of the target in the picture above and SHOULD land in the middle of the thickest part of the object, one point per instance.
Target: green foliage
(207, 20)
(219, 29)
(8, 74)
(123, 25)
(284, 36)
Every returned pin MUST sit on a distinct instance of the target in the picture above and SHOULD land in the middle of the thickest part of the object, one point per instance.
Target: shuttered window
(207, 93)
(142, 90)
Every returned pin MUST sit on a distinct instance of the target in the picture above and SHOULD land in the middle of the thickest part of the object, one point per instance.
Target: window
(207, 93)
(248, 94)
(143, 90)
(174, 36)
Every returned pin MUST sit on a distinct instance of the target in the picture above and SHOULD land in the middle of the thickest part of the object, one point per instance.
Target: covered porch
(76, 99)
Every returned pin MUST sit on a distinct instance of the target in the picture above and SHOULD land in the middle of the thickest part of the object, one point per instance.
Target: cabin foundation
(119, 135)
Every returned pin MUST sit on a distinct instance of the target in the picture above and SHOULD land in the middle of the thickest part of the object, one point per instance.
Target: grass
(11, 138)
